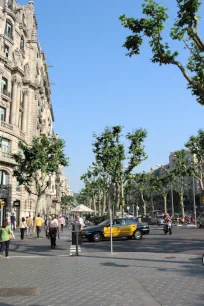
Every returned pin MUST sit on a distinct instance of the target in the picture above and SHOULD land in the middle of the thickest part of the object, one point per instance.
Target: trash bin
(76, 231)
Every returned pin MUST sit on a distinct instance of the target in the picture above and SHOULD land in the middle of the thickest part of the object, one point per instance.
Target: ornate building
(25, 104)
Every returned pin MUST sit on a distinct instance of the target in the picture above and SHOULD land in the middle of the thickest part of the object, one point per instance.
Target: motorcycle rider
(167, 224)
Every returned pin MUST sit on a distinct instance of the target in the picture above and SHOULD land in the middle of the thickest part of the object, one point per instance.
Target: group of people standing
(52, 224)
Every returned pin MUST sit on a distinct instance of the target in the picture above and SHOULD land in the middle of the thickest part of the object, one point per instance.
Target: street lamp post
(172, 200)
(194, 200)
(111, 215)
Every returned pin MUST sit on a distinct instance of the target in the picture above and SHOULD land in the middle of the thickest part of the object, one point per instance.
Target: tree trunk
(117, 197)
(152, 202)
(165, 203)
(94, 205)
(144, 204)
(104, 203)
(182, 204)
(36, 206)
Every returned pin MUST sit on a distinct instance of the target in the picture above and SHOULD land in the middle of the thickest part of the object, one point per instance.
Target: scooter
(168, 228)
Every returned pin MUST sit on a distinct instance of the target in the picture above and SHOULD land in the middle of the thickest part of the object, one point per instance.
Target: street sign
(16, 203)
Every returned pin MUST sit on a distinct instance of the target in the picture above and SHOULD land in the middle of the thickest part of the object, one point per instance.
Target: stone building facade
(25, 105)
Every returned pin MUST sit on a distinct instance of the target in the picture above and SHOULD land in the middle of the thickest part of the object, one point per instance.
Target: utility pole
(194, 200)
(172, 200)
(111, 215)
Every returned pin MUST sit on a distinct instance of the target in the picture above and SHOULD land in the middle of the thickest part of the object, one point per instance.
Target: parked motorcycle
(168, 228)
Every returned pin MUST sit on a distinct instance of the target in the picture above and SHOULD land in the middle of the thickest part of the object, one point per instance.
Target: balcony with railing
(6, 125)
(6, 157)
(22, 134)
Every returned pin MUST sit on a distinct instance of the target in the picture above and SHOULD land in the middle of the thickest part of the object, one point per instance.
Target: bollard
(76, 240)
(77, 243)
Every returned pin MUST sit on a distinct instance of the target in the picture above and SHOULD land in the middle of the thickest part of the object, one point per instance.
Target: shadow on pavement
(163, 245)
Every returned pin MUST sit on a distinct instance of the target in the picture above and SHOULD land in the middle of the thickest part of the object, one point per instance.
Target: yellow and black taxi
(121, 227)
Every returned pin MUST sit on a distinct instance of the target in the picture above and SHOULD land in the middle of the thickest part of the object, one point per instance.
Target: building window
(5, 145)
(17, 186)
(2, 114)
(6, 50)
(4, 177)
(22, 43)
(38, 110)
(20, 122)
(10, 4)
(9, 29)
(4, 86)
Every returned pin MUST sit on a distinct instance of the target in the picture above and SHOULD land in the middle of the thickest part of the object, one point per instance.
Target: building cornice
(9, 13)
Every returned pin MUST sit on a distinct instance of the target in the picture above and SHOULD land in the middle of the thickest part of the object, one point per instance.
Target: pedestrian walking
(29, 223)
(23, 227)
(12, 222)
(59, 225)
(80, 220)
(53, 228)
(5, 235)
(38, 224)
(47, 222)
(62, 223)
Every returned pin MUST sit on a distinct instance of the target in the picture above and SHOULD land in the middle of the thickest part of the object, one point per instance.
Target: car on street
(200, 220)
(121, 227)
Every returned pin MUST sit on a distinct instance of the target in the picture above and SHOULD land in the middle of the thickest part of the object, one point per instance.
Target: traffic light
(2, 203)
(202, 199)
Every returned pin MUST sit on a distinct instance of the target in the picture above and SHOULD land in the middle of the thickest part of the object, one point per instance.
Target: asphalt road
(183, 240)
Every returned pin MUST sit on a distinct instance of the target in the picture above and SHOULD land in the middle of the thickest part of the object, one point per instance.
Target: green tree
(139, 183)
(67, 202)
(35, 164)
(181, 170)
(89, 179)
(195, 145)
(110, 153)
(83, 197)
(184, 30)
(161, 185)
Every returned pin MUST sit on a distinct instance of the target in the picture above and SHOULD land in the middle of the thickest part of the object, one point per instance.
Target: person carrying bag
(6, 235)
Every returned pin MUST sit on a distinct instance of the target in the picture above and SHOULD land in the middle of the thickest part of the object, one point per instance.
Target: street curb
(186, 226)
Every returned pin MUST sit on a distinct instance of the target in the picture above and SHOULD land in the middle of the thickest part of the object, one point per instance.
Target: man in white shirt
(62, 223)
(81, 221)
(53, 228)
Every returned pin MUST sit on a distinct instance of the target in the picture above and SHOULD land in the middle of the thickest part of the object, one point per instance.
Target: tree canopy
(184, 30)
(36, 163)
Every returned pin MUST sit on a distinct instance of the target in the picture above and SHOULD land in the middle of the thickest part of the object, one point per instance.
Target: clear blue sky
(96, 85)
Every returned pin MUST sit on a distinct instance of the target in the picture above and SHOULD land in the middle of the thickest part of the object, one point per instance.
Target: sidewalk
(100, 279)
(35, 275)
(32, 246)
